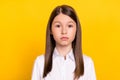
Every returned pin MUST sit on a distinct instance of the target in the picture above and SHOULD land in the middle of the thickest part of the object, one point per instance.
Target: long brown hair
(76, 44)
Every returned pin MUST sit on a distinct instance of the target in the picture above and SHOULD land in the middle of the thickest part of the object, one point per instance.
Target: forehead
(63, 18)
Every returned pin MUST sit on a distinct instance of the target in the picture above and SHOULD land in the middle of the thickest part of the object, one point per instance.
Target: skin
(63, 31)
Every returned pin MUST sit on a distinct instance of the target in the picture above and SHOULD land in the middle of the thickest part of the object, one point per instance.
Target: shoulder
(86, 58)
(39, 60)
(89, 70)
(88, 61)
(38, 68)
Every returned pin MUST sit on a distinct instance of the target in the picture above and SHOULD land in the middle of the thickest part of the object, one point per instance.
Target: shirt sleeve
(36, 71)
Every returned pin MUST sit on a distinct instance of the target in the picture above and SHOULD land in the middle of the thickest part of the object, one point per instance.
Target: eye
(70, 26)
(57, 25)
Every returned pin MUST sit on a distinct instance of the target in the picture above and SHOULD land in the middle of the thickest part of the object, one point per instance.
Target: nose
(64, 30)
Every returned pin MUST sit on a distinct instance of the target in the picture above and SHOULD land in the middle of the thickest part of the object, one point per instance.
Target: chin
(64, 44)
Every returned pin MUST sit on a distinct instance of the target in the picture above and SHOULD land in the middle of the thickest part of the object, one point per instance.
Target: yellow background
(23, 28)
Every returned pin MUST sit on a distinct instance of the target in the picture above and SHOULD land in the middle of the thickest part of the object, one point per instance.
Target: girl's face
(63, 30)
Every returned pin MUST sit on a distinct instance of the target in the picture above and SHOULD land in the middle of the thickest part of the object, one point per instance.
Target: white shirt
(63, 69)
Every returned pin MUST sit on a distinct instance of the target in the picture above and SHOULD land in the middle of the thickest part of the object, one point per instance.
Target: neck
(63, 50)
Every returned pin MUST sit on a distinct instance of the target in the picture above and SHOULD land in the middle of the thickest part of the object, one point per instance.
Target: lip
(64, 38)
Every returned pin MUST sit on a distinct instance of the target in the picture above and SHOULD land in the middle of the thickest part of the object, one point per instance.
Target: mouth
(64, 38)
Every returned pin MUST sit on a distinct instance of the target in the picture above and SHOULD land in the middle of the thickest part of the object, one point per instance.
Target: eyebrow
(56, 22)
(60, 22)
(72, 22)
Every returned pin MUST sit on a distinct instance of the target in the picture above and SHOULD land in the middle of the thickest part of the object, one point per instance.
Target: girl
(63, 59)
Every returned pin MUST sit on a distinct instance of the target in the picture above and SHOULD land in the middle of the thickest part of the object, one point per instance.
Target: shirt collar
(70, 55)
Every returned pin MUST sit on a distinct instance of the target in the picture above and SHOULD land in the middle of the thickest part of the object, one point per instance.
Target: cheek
(55, 34)
(55, 30)
(72, 33)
